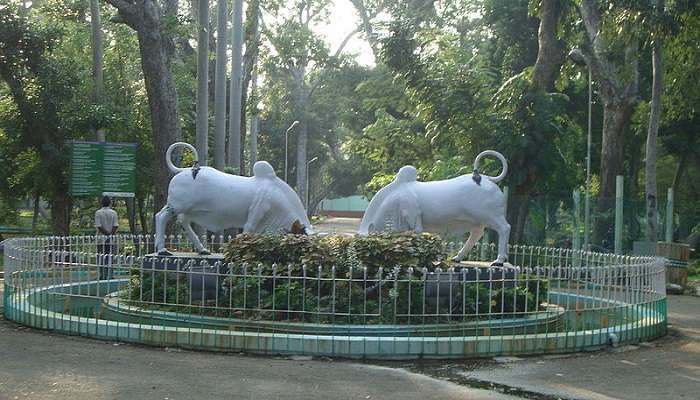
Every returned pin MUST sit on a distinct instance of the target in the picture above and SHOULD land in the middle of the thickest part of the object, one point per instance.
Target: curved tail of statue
(169, 153)
(496, 154)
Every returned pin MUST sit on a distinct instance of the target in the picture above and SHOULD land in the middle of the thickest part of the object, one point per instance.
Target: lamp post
(308, 189)
(587, 205)
(577, 57)
(286, 147)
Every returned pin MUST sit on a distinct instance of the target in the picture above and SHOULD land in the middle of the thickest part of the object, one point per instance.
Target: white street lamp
(308, 189)
(577, 57)
(286, 147)
(587, 206)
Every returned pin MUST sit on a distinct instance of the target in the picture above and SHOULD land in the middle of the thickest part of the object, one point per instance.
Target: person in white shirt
(106, 224)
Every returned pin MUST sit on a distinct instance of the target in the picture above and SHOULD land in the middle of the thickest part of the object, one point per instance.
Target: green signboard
(99, 168)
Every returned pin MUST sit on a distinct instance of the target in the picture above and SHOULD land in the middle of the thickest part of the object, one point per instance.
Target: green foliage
(451, 79)
(694, 269)
(407, 249)
(160, 289)
(375, 251)
(523, 297)
(281, 249)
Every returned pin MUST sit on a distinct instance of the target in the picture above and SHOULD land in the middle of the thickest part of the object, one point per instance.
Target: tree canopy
(450, 79)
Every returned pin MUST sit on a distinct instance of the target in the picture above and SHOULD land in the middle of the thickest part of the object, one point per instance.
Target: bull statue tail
(169, 161)
(494, 179)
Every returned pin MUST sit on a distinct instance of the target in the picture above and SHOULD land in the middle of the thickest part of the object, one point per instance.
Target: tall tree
(35, 79)
(97, 60)
(454, 82)
(550, 57)
(235, 96)
(250, 57)
(301, 53)
(617, 76)
(153, 22)
(202, 109)
(653, 131)
(220, 88)
(254, 118)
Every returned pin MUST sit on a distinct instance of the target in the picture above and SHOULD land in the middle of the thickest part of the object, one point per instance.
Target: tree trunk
(250, 59)
(234, 127)
(35, 215)
(60, 213)
(619, 92)
(654, 115)
(615, 118)
(131, 214)
(254, 120)
(162, 101)
(220, 89)
(550, 54)
(518, 215)
(143, 219)
(202, 109)
(157, 50)
(97, 61)
(550, 57)
(680, 169)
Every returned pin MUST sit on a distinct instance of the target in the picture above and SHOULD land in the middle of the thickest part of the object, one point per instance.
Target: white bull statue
(217, 201)
(451, 206)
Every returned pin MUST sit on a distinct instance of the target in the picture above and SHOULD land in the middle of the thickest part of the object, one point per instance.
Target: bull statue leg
(162, 218)
(192, 235)
(474, 235)
(501, 226)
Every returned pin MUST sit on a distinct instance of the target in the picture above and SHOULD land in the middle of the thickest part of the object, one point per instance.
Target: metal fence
(550, 300)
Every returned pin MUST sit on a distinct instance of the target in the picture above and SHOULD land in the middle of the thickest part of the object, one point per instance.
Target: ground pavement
(668, 368)
(338, 225)
(40, 365)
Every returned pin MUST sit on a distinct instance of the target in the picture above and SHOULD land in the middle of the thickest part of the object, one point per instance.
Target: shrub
(407, 249)
(347, 280)
(164, 288)
(694, 269)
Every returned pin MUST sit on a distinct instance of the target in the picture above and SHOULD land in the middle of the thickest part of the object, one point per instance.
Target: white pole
(576, 237)
(619, 193)
(286, 148)
(307, 182)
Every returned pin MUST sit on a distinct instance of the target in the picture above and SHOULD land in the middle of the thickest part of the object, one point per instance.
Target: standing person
(106, 223)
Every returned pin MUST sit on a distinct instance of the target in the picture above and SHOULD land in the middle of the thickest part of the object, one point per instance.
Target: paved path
(339, 225)
(668, 368)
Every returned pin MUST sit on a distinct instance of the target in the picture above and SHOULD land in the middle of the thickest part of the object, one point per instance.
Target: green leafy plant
(407, 249)
(160, 289)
